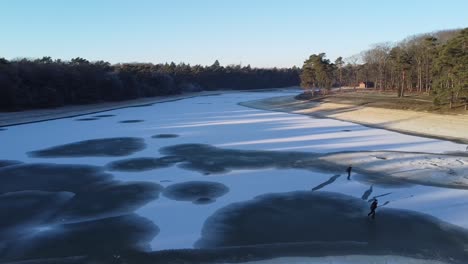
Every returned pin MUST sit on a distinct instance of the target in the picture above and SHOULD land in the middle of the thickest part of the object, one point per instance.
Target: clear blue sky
(263, 33)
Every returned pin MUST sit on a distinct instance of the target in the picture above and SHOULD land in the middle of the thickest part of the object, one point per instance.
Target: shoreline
(436, 126)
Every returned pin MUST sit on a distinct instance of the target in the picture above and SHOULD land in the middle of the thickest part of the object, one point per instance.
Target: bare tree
(354, 61)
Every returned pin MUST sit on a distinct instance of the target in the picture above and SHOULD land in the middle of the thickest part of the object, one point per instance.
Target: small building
(366, 85)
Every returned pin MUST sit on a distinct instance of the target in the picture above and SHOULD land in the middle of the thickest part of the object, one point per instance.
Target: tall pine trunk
(403, 83)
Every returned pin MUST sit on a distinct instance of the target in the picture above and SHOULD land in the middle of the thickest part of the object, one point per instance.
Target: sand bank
(449, 127)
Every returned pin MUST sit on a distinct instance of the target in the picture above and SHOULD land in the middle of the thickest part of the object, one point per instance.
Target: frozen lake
(148, 178)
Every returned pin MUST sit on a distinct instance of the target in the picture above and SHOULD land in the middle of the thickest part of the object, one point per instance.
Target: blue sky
(263, 33)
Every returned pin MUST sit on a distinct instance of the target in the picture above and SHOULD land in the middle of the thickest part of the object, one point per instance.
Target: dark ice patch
(21, 211)
(346, 130)
(325, 218)
(203, 200)
(106, 237)
(171, 159)
(4, 163)
(143, 164)
(165, 136)
(52, 210)
(2, 129)
(131, 121)
(51, 177)
(198, 192)
(209, 159)
(86, 119)
(106, 147)
(96, 194)
(100, 116)
(109, 200)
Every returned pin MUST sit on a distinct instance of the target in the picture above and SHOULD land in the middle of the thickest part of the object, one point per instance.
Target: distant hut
(363, 85)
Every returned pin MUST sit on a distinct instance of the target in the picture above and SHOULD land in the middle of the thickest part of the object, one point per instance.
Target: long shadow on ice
(87, 119)
(101, 116)
(165, 136)
(324, 218)
(369, 165)
(131, 121)
(367, 193)
(328, 182)
(105, 147)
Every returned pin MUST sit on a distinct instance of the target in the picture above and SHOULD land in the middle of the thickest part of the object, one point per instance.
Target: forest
(45, 83)
(435, 64)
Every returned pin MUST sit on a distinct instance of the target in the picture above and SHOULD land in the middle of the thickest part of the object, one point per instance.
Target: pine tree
(451, 69)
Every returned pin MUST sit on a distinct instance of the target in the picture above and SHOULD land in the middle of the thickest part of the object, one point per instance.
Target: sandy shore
(39, 115)
(448, 127)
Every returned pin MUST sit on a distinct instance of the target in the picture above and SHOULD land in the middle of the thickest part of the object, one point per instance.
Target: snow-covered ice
(220, 122)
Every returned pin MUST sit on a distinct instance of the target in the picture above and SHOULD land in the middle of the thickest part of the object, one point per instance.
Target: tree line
(44, 82)
(435, 64)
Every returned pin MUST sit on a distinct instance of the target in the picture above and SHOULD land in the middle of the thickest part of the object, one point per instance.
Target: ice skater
(372, 208)
(348, 170)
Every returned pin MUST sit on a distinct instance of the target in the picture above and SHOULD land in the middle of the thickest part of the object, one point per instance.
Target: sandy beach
(449, 127)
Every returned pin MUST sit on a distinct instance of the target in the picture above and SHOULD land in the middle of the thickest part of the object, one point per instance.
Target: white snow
(220, 121)
(420, 167)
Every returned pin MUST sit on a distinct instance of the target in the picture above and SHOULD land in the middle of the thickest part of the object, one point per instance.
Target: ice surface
(219, 121)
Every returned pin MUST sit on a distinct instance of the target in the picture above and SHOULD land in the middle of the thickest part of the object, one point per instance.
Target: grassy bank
(389, 100)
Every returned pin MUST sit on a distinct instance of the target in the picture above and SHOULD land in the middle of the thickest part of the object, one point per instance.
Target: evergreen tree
(317, 72)
(451, 69)
(339, 64)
